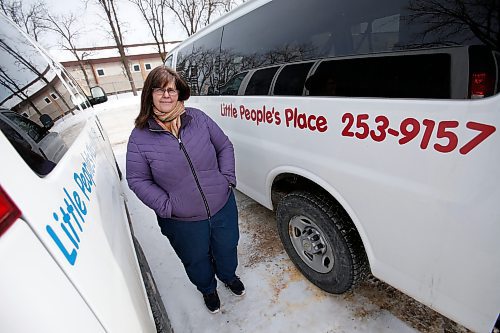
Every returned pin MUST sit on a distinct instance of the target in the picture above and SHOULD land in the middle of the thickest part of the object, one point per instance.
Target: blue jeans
(207, 248)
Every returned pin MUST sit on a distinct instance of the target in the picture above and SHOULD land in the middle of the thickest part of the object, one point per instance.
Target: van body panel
(25, 291)
(434, 217)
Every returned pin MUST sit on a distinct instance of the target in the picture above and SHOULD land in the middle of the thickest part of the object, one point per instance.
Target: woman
(181, 165)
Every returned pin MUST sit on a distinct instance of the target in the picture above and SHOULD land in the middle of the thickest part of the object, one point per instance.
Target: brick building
(104, 68)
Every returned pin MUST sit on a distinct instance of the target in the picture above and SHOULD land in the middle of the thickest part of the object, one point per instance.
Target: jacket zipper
(193, 171)
(181, 146)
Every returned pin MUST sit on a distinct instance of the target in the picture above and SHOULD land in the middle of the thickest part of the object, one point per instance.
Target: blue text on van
(71, 214)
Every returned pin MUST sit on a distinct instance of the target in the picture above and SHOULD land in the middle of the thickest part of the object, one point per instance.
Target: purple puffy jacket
(187, 179)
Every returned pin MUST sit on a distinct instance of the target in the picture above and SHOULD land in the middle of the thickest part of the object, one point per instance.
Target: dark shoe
(236, 287)
(212, 302)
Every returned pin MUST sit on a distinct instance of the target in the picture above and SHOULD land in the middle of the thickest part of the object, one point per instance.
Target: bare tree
(8, 82)
(109, 8)
(65, 27)
(29, 19)
(448, 19)
(195, 14)
(153, 12)
(228, 5)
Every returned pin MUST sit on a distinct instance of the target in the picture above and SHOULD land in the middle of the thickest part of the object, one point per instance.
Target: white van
(374, 124)
(69, 260)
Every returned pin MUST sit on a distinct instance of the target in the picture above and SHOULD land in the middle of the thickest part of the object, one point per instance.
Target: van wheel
(321, 241)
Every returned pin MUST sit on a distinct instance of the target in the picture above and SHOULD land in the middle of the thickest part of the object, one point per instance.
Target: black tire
(321, 241)
(160, 316)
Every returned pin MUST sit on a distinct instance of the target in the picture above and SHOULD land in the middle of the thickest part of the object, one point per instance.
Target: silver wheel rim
(310, 244)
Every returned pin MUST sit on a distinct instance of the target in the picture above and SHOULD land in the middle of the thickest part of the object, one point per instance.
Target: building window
(136, 68)
(147, 66)
(100, 72)
(47, 100)
(54, 96)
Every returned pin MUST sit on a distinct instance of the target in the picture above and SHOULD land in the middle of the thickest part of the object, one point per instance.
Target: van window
(380, 34)
(38, 163)
(233, 85)
(291, 79)
(260, 82)
(271, 37)
(404, 76)
(168, 62)
(204, 64)
(26, 81)
(33, 130)
(14, 137)
(183, 62)
(344, 28)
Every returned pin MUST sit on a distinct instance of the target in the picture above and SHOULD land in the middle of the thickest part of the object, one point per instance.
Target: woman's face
(165, 98)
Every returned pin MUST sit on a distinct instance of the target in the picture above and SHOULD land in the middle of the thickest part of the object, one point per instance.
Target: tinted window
(201, 67)
(35, 131)
(410, 76)
(260, 82)
(233, 85)
(271, 36)
(319, 28)
(38, 163)
(27, 80)
(168, 62)
(284, 31)
(14, 137)
(378, 35)
(291, 79)
(183, 60)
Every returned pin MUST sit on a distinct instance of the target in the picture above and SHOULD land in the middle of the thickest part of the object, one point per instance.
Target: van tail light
(481, 85)
(483, 71)
(9, 212)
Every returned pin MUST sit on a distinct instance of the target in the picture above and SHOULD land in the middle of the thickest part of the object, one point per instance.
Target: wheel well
(288, 182)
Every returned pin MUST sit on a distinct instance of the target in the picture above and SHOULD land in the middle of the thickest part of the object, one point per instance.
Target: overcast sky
(135, 29)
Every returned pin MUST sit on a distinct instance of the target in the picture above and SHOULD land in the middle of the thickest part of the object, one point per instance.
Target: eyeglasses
(161, 91)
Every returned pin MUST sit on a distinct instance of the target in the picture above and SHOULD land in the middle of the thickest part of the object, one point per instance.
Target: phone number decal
(357, 126)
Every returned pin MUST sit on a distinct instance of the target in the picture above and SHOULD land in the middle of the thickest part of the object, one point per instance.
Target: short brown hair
(158, 78)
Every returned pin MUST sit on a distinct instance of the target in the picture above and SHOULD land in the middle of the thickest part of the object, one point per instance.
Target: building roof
(106, 52)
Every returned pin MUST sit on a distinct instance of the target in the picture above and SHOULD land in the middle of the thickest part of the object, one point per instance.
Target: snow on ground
(279, 298)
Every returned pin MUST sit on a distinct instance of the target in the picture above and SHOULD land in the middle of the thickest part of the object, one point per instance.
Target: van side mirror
(46, 121)
(98, 95)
